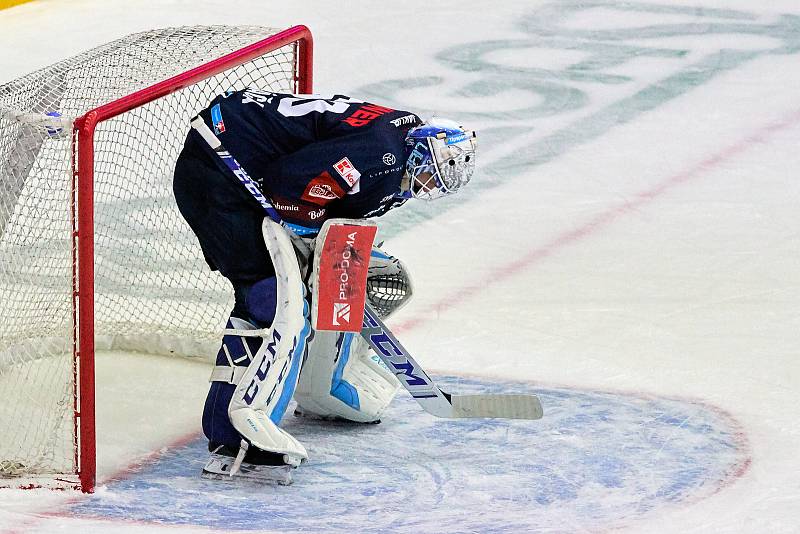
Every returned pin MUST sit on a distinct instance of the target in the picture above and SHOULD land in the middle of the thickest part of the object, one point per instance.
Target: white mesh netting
(153, 291)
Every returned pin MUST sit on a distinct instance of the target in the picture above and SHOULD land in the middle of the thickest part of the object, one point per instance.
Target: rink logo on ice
(216, 120)
(596, 78)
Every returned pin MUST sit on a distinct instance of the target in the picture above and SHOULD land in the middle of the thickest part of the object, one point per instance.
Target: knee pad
(256, 302)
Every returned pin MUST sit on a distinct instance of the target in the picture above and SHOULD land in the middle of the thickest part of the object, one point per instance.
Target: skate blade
(218, 468)
(281, 476)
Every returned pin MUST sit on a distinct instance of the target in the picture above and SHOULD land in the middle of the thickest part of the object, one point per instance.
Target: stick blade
(502, 406)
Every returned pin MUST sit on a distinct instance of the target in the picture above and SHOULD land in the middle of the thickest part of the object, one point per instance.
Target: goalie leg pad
(234, 356)
(342, 379)
(262, 389)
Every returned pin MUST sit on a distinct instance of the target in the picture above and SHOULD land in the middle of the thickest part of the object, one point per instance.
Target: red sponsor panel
(323, 189)
(342, 272)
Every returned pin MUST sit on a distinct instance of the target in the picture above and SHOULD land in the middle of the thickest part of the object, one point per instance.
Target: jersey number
(299, 105)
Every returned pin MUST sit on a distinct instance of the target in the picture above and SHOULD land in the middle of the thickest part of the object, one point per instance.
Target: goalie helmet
(440, 159)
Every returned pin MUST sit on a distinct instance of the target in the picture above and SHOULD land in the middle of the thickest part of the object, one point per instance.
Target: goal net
(93, 251)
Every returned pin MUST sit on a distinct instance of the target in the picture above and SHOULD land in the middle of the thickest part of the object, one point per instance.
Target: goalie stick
(430, 397)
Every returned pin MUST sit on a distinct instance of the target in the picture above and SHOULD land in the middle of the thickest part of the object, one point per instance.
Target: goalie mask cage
(93, 250)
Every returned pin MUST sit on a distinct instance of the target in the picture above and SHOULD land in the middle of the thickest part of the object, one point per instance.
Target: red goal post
(122, 153)
(83, 232)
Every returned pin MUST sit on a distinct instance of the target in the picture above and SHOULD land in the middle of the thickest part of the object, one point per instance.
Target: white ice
(645, 252)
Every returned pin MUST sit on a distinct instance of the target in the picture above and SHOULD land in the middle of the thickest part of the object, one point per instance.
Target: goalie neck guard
(440, 159)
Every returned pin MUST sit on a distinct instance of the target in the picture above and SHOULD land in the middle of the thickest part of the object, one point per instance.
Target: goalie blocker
(341, 379)
(341, 262)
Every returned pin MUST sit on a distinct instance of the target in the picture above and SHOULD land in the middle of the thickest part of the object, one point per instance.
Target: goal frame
(82, 218)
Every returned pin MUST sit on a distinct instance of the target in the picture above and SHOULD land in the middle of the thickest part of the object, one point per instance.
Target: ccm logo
(405, 370)
(263, 368)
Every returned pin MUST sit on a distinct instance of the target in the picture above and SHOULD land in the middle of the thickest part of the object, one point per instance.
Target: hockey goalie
(315, 159)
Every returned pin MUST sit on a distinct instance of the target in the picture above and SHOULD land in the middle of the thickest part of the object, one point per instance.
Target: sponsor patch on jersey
(347, 171)
(405, 119)
(366, 114)
(285, 206)
(216, 119)
(322, 189)
(299, 211)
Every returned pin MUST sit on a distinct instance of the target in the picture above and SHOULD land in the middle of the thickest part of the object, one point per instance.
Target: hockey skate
(249, 464)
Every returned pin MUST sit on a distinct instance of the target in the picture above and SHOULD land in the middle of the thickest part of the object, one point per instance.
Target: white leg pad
(267, 436)
(342, 379)
(265, 388)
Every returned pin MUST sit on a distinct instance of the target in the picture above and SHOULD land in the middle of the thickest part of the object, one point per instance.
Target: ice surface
(602, 459)
(628, 249)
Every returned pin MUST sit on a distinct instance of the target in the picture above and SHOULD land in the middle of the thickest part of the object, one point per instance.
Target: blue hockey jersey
(315, 157)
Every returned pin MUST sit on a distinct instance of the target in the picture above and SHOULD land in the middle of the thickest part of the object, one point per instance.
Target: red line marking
(63, 509)
(597, 223)
(150, 458)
